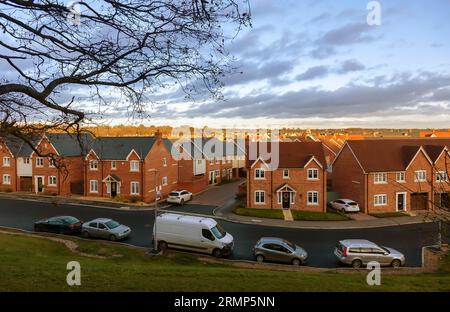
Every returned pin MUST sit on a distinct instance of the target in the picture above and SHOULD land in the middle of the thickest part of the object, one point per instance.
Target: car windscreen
(174, 194)
(112, 224)
(70, 220)
(292, 246)
(218, 231)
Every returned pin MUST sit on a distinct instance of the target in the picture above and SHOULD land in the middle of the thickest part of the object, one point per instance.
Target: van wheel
(296, 262)
(162, 246)
(357, 264)
(260, 258)
(85, 234)
(217, 253)
(396, 263)
(112, 238)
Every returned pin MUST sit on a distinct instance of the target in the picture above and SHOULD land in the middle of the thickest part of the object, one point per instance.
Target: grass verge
(259, 213)
(37, 264)
(317, 216)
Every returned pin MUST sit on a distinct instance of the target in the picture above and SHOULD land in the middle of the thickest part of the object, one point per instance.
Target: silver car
(105, 228)
(279, 250)
(359, 252)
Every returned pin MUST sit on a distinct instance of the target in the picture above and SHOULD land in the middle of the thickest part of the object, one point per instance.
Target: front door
(113, 189)
(419, 201)
(39, 184)
(401, 201)
(212, 177)
(286, 200)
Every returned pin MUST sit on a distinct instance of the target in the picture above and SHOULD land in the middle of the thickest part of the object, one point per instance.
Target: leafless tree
(129, 47)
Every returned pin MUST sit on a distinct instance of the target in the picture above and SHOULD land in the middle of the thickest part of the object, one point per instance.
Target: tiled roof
(71, 144)
(293, 154)
(394, 154)
(118, 148)
(18, 147)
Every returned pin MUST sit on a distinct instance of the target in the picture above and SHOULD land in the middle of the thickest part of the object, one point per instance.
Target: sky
(318, 64)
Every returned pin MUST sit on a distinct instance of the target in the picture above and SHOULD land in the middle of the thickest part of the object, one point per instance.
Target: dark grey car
(279, 250)
(105, 228)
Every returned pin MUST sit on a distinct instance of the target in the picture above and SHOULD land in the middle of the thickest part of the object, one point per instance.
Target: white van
(193, 234)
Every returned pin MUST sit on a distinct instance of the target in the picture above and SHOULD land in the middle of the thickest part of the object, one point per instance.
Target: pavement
(319, 243)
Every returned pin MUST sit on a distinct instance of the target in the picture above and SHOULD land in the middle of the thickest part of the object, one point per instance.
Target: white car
(345, 205)
(179, 197)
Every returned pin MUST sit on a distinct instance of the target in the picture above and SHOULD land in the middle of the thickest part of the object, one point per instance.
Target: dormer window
(259, 174)
(313, 174)
(93, 165)
(134, 166)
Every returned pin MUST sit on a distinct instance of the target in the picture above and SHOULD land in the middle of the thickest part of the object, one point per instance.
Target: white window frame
(26, 160)
(258, 198)
(417, 178)
(164, 160)
(91, 165)
(380, 178)
(400, 174)
(285, 176)
(313, 170)
(38, 161)
(441, 176)
(217, 160)
(211, 161)
(224, 173)
(115, 165)
(217, 173)
(9, 179)
(51, 163)
(377, 200)
(50, 182)
(134, 184)
(133, 167)
(91, 188)
(6, 161)
(164, 181)
(309, 203)
(261, 175)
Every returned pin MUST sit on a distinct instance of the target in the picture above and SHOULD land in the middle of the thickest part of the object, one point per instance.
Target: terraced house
(139, 168)
(393, 175)
(298, 182)
(56, 167)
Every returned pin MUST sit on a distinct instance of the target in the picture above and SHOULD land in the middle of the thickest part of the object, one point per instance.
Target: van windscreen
(218, 231)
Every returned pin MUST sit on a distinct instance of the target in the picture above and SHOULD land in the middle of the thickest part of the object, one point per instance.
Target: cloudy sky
(319, 64)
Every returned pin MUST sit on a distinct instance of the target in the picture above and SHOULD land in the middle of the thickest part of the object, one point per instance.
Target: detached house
(298, 182)
(131, 167)
(394, 174)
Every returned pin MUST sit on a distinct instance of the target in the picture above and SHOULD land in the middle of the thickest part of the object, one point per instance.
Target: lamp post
(155, 247)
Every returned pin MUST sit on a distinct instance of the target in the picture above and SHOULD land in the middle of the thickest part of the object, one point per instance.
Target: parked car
(345, 205)
(279, 250)
(359, 252)
(60, 225)
(192, 233)
(105, 228)
(179, 197)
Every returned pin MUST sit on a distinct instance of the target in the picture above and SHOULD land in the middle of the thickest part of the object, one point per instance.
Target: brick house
(8, 165)
(131, 167)
(393, 174)
(298, 182)
(58, 169)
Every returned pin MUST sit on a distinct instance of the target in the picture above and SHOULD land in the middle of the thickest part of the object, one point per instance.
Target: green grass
(37, 264)
(259, 213)
(317, 216)
(389, 214)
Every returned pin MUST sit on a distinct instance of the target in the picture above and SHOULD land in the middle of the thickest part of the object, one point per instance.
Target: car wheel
(85, 234)
(112, 238)
(357, 263)
(182, 202)
(396, 263)
(217, 253)
(190, 197)
(343, 210)
(162, 246)
(260, 258)
(296, 262)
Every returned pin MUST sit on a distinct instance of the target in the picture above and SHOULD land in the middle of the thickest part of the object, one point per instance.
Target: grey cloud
(352, 100)
(351, 66)
(347, 34)
(313, 73)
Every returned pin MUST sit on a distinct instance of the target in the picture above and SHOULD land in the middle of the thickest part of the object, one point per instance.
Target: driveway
(319, 243)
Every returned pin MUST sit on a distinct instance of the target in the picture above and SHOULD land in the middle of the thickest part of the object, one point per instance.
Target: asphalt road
(409, 239)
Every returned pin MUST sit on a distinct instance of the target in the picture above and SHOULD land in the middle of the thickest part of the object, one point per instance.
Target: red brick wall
(11, 170)
(348, 178)
(297, 180)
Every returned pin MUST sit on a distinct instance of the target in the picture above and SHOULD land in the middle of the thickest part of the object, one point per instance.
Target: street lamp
(156, 171)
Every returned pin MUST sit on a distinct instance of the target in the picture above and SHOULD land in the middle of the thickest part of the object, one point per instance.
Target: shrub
(134, 199)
